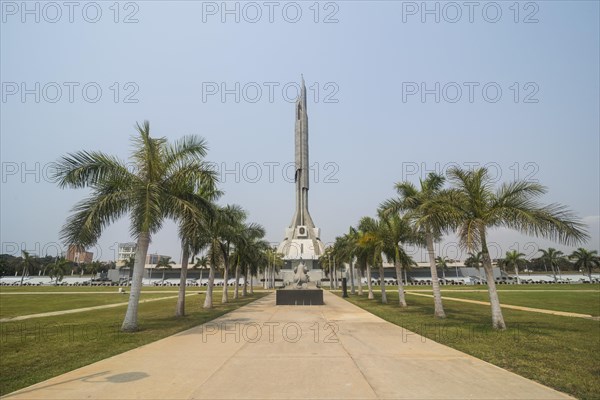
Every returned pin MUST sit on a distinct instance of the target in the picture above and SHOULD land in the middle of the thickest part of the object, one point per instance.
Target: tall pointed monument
(302, 241)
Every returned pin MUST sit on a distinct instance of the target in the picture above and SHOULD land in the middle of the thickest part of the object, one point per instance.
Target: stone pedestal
(299, 297)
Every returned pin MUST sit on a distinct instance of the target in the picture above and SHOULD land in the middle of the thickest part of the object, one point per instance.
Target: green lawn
(560, 352)
(568, 300)
(38, 349)
(12, 305)
(504, 288)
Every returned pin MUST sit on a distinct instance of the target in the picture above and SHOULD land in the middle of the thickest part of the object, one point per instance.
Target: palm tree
(191, 234)
(427, 209)
(585, 260)
(128, 264)
(479, 207)
(515, 260)
(253, 255)
(246, 249)
(215, 258)
(374, 242)
(343, 249)
(443, 264)
(475, 261)
(162, 185)
(28, 263)
(164, 263)
(230, 224)
(58, 269)
(553, 257)
(93, 268)
(397, 232)
(274, 263)
(201, 263)
(325, 263)
(364, 252)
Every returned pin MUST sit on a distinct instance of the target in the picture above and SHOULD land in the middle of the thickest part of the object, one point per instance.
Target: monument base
(299, 297)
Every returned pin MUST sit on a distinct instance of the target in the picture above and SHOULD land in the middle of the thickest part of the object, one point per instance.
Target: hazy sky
(393, 94)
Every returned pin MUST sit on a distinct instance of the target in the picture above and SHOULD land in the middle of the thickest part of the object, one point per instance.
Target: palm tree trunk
(382, 284)
(265, 277)
(244, 288)
(435, 283)
(273, 276)
(180, 309)
(352, 288)
(335, 275)
(23, 274)
(497, 317)
(130, 321)
(517, 273)
(401, 298)
(236, 285)
(224, 298)
(208, 301)
(369, 283)
(251, 287)
(360, 284)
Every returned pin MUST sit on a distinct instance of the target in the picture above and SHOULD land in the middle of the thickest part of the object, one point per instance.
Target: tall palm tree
(553, 257)
(201, 263)
(364, 251)
(343, 249)
(374, 240)
(326, 265)
(398, 232)
(513, 205)
(274, 262)
(164, 264)
(128, 264)
(58, 269)
(253, 256)
(427, 209)
(230, 227)
(474, 260)
(585, 260)
(246, 249)
(162, 185)
(28, 263)
(93, 268)
(350, 239)
(191, 234)
(515, 260)
(215, 258)
(442, 263)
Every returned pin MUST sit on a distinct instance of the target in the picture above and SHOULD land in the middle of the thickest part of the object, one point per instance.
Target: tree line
(169, 181)
(469, 206)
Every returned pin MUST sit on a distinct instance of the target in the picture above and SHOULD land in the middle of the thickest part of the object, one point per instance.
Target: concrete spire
(302, 239)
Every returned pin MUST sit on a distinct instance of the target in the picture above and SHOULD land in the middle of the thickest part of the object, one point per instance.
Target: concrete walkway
(263, 351)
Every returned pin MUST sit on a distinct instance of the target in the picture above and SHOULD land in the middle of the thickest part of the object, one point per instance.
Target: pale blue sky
(367, 140)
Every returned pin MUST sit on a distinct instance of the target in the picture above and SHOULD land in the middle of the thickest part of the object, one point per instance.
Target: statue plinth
(299, 297)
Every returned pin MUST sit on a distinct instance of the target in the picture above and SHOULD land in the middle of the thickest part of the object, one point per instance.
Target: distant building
(153, 259)
(126, 251)
(78, 254)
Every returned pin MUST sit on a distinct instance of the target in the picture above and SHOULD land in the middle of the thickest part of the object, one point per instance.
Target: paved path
(263, 351)
(520, 308)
